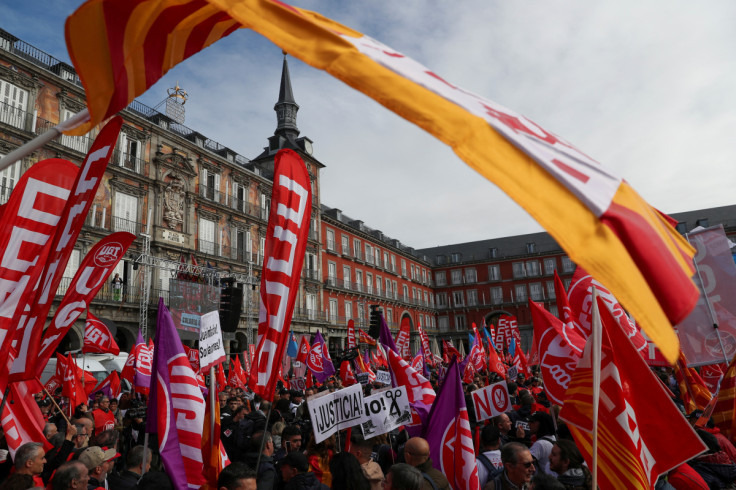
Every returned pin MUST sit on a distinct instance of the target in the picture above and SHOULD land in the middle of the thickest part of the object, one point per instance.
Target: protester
(103, 416)
(362, 449)
(416, 454)
(542, 427)
(134, 468)
(403, 476)
(30, 459)
(543, 481)
(518, 468)
(503, 424)
(99, 463)
(237, 476)
(489, 460)
(715, 465)
(60, 453)
(296, 475)
(291, 440)
(319, 456)
(72, 475)
(266, 477)
(347, 473)
(566, 461)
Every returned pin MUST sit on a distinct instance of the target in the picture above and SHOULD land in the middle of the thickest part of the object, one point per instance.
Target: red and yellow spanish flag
(121, 47)
(693, 391)
(724, 413)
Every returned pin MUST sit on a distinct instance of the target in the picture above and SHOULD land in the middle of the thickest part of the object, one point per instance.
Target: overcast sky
(646, 88)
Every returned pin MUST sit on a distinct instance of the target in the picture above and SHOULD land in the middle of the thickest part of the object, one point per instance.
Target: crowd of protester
(271, 446)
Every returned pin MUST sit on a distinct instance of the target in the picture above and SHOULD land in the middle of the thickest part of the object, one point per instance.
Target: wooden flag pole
(68, 423)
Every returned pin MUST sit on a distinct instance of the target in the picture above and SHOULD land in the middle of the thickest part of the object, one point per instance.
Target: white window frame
(206, 234)
(456, 276)
(440, 278)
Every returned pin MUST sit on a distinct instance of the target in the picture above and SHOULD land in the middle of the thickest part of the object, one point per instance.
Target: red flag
(22, 419)
(193, 356)
(351, 334)
(211, 439)
(365, 338)
(92, 274)
(111, 385)
(520, 362)
(495, 364)
(402, 339)
(712, 375)
(30, 361)
(641, 433)
(303, 349)
(220, 378)
(501, 333)
(417, 364)
(286, 242)
(239, 371)
(724, 413)
(54, 383)
(561, 348)
(426, 350)
(449, 350)
(418, 389)
(72, 387)
(692, 387)
(97, 337)
(346, 374)
(30, 221)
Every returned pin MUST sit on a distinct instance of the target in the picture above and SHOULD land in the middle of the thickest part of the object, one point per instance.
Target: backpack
(493, 472)
(430, 480)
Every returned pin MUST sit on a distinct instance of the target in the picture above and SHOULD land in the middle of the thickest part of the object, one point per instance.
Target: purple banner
(319, 360)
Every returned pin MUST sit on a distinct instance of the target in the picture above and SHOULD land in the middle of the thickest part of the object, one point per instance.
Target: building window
(386, 263)
(361, 314)
(493, 252)
(553, 310)
(389, 316)
(8, 178)
(331, 274)
(369, 253)
(567, 282)
(403, 267)
(330, 239)
(425, 298)
(455, 258)
(471, 275)
(266, 206)
(441, 300)
(551, 289)
(520, 293)
(531, 248)
(396, 289)
(206, 236)
(239, 198)
(261, 249)
(209, 185)
(424, 276)
(377, 255)
(357, 252)
(333, 310)
(535, 291)
(378, 285)
(443, 324)
(348, 310)
(388, 287)
(130, 153)
(13, 105)
(125, 213)
(494, 272)
(413, 272)
(440, 260)
(460, 323)
(73, 264)
(497, 295)
(440, 278)
(567, 264)
(346, 277)
(456, 276)
(406, 292)
(532, 268)
(472, 297)
(345, 245)
(458, 299)
(359, 280)
(311, 306)
(550, 266)
(519, 270)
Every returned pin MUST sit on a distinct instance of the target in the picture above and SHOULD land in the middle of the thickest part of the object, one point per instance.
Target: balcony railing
(5, 193)
(126, 160)
(100, 220)
(79, 144)
(15, 117)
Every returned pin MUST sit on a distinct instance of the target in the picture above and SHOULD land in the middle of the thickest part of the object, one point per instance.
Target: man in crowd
(363, 450)
(104, 418)
(291, 440)
(134, 463)
(99, 463)
(237, 476)
(416, 454)
(503, 423)
(266, 476)
(49, 430)
(81, 438)
(29, 460)
(72, 475)
(489, 460)
(518, 467)
(296, 475)
(402, 476)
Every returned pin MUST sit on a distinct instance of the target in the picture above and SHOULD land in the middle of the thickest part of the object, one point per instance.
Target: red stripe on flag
(198, 38)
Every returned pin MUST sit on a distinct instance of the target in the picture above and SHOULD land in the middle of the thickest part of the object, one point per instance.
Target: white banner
(383, 377)
(491, 401)
(385, 411)
(211, 349)
(338, 410)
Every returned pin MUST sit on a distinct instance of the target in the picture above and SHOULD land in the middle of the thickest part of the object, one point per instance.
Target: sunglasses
(526, 465)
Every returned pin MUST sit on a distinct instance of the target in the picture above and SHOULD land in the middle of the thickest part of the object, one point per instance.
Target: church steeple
(286, 107)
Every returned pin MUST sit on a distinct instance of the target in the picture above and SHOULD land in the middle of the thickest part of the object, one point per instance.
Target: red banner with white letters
(36, 306)
(97, 337)
(30, 220)
(402, 339)
(286, 242)
(351, 334)
(304, 348)
(92, 274)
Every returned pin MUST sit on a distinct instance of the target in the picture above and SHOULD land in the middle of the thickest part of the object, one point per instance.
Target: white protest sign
(491, 401)
(386, 411)
(383, 377)
(334, 411)
(211, 348)
(512, 373)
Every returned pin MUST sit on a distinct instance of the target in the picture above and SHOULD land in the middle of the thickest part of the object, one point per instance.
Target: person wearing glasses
(518, 468)
(416, 454)
(81, 438)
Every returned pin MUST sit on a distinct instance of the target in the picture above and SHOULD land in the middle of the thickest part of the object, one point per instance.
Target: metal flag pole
(597, 348)
(711, 311)
(40, 140)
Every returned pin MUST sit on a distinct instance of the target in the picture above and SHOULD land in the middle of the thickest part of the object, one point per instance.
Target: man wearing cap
(296, 475)
(99, 462)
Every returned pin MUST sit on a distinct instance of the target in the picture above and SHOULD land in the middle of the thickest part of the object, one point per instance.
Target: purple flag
(425, 368)
(319, 360)
(449, 435)
(176, 407)
(384, 336)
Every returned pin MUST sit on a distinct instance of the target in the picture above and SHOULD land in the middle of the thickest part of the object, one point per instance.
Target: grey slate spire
(286, 107)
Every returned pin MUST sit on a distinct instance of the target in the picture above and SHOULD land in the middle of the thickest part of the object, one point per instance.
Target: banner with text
(211, 348)
(335, 411)
(491, 401)
(385, 411)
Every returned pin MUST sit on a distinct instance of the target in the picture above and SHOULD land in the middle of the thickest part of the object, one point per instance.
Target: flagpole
(213, 388)
(68, 423)
(597, 348)
(5, 399)
(263, 439)
(712, 313)
(40, 140)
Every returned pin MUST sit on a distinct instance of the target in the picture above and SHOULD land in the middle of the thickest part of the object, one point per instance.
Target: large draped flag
(693, 391)
(402, 339)
(176, 407)
(120, 49)
(30, 221)
(560, 349)
(569, 320)
(364, 338)
(31, 352)
(286, 243)
(641, 433)
(724, 413)
(97, 337)
(72, 387)
(22, 420)
(110, 386)
(448, 433)
(318, 360)
(426, 349)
